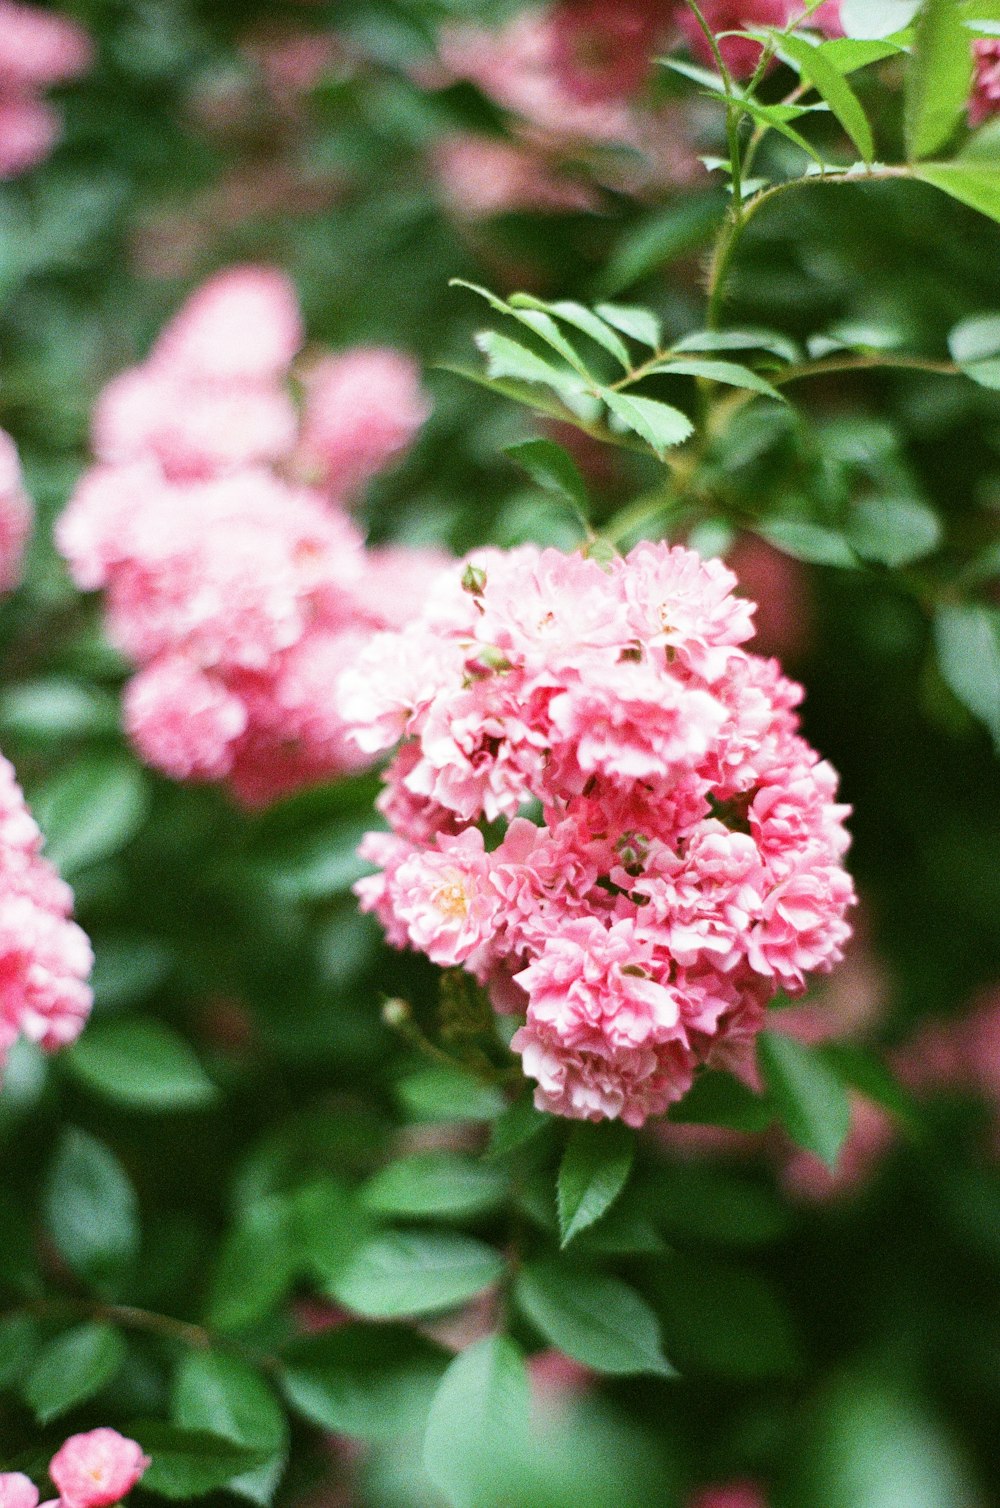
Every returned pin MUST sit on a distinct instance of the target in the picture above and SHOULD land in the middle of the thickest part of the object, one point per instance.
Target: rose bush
(463, 1043)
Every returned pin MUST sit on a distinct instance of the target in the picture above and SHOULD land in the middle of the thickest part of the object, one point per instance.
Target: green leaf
(508, 358)
(440, 1093)
(593, 1172)
(255, 1268)
(91, 809)
(142, 1064)
(973, 177)
(480, 1412)
(580, 318)
(54, 709)
(717, 1099)
(72, 1368)
(656, 242)
(807, 541)
(874, 19)
(188, 1463)
(220, 1393)
(91, 1209)
(531, 313)
(809, 1096)
(848, 54)
(738, 340)
(362, 1380)
(729, 372)
(415, 1272)
(18, 1344)
(967, 638)
(526, 393)
(657, 423)
(724, 1320)
(553, 468)
(435, 1183)
(893, 530)
(974, 344)
(596, 1319)
(639, 324)
(328, 1225)
(519, 1123)
(819, 69)
(939, 78)
(694, 1201)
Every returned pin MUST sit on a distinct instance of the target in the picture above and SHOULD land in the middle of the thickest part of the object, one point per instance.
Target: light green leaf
(54, 709)
(974, 344)
(808, 541)
(435, 1183)
(820, 70)
(328, 1224)
(893, 530)
(580, 318)
(142, 1064)
(480, 1412)
(220, 1393)
(639, 324)
(92, 1213)
(506, 358)
(362, 1380)
(939, 78)
(439, 1093)
(518, 1124)
(593, 1172)
(596, 1319)
(553, 468)
(848, 54)
(91, 809)
(72, 1368)
(875, 19)
(809, 1096)
(729, 372)
(967, 638)
(415, 1272)
(739, 340)
(660, 425)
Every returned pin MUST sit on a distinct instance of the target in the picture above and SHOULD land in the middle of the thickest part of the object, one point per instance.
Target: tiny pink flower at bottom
(736, 1495)
(97, 1469)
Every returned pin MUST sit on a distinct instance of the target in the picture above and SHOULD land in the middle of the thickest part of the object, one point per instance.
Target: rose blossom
(16, 515)
(37, 49)
(668, 847)
(97, 1469)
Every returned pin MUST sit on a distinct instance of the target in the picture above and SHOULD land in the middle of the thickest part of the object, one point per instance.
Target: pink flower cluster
(45, 958)
(736, 1495)
(603, 810)
(215, 521)
(985, 99)
(94, 1470)
(16, 515)
(37, 49)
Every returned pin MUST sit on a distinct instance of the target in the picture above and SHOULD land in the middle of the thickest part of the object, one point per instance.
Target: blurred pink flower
(16, 515)
(38, 48)
(985, 99)
(780, 587)
(481, 176)
(97, 1469)
(735, 1495)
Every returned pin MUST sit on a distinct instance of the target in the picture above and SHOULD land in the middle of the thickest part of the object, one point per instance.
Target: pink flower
(16, 514)
(871, 1135)
(482, 176)
(97, 1469)
(17, 1490)
(985, 99)
(445, 899)
(362, 409)
(669, 847)
(37, 48)
(603, 52)
(239, 593)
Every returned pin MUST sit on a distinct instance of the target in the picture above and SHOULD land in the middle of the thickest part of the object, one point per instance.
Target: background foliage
(240, 1136)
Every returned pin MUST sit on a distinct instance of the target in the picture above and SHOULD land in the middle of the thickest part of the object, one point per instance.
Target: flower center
(452, 899)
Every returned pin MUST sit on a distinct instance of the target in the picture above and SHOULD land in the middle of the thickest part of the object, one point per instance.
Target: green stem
(864, 362)
(148, 1322)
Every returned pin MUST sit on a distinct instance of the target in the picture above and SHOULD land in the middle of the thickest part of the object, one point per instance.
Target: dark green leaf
(72, 1368)
(655, 243)
(518, 1124)
(809, 1096)
(967, 638)
(553, 468)
(141, 1063)
(807, 541)
(255, 1268)
(220, 1393)
(939, 78)
(893, 530)
(91, 809)
(596, 1319)
(18, 1344)
(91, 1209)
(368, 1381)
(717, 1099)
(449, 1094)
(188, 1463)
(593, 1172)
(480, 1411)
(724, 1320)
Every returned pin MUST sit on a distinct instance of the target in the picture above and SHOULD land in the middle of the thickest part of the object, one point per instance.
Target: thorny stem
(733, 112)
